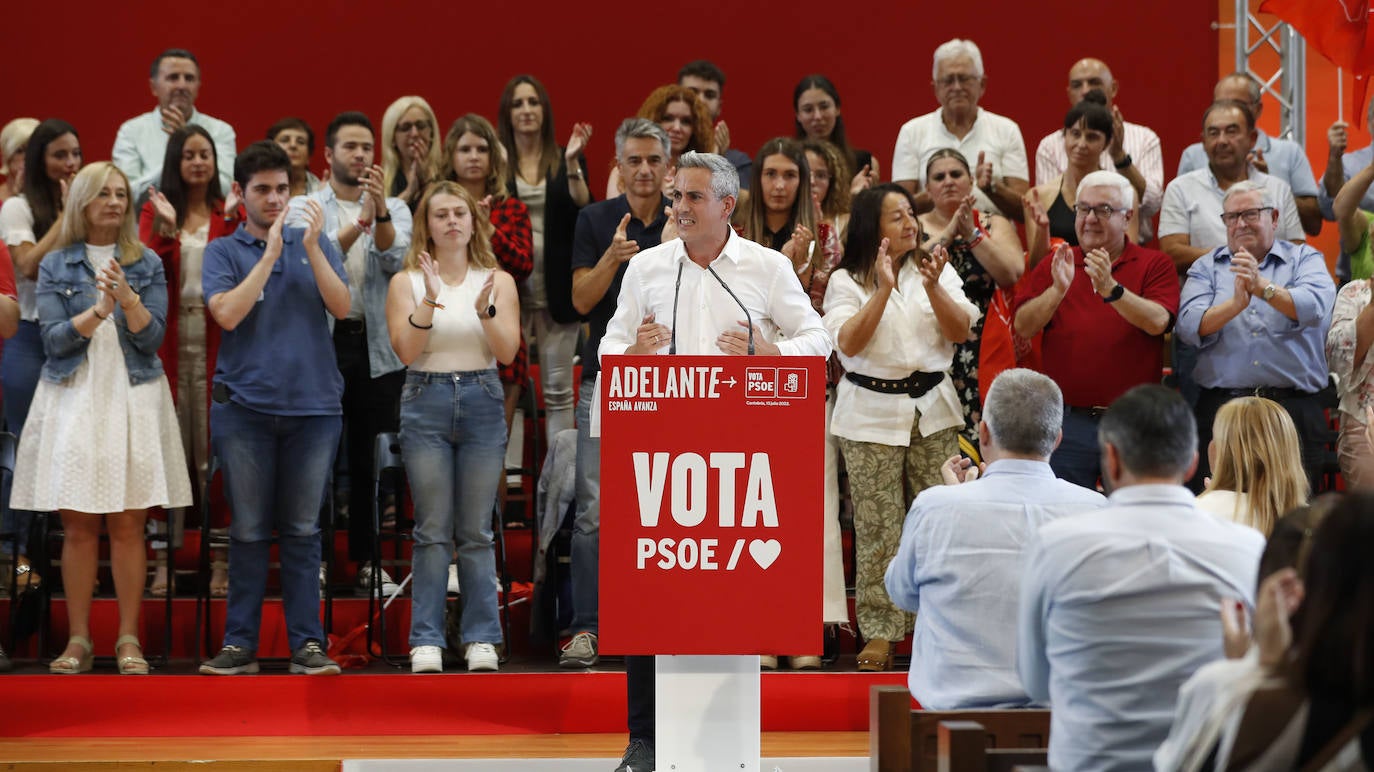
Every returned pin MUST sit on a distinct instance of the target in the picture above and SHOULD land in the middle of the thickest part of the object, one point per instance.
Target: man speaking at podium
(706, 292)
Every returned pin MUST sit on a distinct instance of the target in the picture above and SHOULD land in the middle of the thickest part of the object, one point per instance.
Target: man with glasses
(1104, 307)
(993, 143)
(1257, 308)
(1282, 158)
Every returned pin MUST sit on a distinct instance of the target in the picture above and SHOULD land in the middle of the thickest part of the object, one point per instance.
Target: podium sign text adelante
(711, 504)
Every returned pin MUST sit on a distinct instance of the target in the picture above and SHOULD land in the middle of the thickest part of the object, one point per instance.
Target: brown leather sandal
(876, 656)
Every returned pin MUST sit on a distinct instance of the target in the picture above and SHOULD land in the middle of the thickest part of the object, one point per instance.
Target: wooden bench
(904, 740)
(962, 746)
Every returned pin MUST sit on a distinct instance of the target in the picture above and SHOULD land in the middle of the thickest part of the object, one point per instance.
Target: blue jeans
(275, 470)
(453, 442)
(1078, 459)
(19, 371)
(586, 536)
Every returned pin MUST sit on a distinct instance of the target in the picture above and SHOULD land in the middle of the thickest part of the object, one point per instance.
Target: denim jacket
(381, 266)
(66, 287)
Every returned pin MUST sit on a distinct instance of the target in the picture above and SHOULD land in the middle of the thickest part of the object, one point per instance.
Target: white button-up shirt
(907, 339)
(1118, 608)
(141, 145)
(763, 279)
(959, 567)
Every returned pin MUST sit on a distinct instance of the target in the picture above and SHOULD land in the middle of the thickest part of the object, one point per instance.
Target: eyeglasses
(1103, 211)
(402, 128)
(961, 78)
(1250, 216)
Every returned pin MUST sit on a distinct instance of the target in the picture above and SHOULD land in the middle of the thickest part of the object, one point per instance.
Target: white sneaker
(366, 580)
(452, 579)
(426, 659)
(482, 656)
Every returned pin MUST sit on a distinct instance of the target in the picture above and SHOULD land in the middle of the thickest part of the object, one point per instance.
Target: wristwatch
(491, 311)
(383, 217)
(1124, 163)
(1269, 291)
(1115, 294)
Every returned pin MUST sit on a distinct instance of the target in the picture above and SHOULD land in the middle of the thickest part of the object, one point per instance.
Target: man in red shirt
(1104, 307)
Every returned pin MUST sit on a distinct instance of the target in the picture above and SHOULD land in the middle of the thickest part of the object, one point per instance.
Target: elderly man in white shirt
(990, 141)
(687, 296)
(1119, 605)
(959, 563)
(142, 141)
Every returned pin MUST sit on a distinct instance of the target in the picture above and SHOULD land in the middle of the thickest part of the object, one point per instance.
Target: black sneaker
(231, 660)
(639, 757)
(310, 659)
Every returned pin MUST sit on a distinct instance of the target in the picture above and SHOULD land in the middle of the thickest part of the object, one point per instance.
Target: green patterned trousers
(883, 481)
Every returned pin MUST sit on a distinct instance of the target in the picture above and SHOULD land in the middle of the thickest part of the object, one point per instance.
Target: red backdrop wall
(262, 60)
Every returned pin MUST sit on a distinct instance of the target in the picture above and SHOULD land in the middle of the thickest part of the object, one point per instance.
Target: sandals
(162, 580)
(130, 665)
(876, 656)
(67, 665)
(219, 579)
(25, 578)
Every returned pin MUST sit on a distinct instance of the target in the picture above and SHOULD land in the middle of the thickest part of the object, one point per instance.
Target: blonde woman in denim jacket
(102, 308)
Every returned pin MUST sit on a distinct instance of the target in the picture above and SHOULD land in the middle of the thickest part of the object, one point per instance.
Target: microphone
(748, 319)
(677, 287)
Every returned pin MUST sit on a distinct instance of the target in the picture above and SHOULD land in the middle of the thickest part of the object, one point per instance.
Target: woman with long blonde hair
(453, 314)
(411, 153)
(1256, 463)
(101, 443)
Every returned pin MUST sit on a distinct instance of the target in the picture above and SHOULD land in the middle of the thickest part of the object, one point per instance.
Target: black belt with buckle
(914, 385)
(1275, 393)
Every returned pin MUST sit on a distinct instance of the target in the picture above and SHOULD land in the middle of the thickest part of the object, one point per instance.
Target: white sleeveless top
(457, 343)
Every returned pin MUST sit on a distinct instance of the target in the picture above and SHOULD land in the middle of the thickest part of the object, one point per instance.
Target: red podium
(711, 535)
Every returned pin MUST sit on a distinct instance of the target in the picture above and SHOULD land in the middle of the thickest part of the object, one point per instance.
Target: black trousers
(370, 406)
(639, 692)
(1304, 408)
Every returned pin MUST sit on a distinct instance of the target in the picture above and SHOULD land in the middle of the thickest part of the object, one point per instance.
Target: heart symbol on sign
(765, 552)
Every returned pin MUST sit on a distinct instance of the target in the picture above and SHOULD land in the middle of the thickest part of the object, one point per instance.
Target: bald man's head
(1088, 74)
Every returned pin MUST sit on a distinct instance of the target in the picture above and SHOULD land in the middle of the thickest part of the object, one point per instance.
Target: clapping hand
(883, 267)
(1098, 265)
(430, 270)
(577, 143)
(931, 267)
(172, 119)
(722, 137)
(164, 214)
(983, 172)
(959, 469)
(1062, 269)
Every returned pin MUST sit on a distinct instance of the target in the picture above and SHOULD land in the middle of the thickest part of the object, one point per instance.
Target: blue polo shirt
(596, 224)
(280, 359)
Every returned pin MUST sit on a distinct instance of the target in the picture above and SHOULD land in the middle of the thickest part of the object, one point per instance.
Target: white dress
(95, 443)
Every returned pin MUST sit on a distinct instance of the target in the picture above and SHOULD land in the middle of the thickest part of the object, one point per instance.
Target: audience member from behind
(1105, 297)
(183, 214)
(101, 442)
(1257, 309)
(896, 314)
(453, 314)
(552, 182)
(1347, 354)
(958, 567)
(707, 81)
(14, 140)
(1119, 606)
(816, 105)
(1281, 158)
(1256, 466)
(1002, 174)
(1133, 150)
(410, 149)
(28, 226)
(298, 140)
(1309, 704)
(275, 414)
(141, 143)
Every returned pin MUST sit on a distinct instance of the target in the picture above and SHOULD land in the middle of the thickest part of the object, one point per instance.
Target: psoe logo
(760, 382)
(791, 383)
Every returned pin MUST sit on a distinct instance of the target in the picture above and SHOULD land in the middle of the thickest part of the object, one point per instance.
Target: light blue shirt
(141, 144)
(1261, 347)
(1118, 608)
(1285, 158)
(959, 565)
(1351, 164)
(381, 265)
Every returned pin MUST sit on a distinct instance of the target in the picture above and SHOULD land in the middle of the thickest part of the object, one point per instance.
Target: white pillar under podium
(707, 713)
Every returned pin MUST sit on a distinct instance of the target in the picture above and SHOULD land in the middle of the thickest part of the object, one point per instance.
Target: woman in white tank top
(453, 314)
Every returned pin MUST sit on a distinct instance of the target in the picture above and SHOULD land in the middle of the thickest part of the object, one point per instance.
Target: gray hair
(1105, 178)
(1024, 412)
(1250, 186)
(1153, 430)
(1251, 85)
(641, 128)
(16, 134)
(955, 48)
(724, 177)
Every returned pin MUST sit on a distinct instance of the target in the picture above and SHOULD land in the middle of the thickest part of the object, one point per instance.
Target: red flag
(1338, 30)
